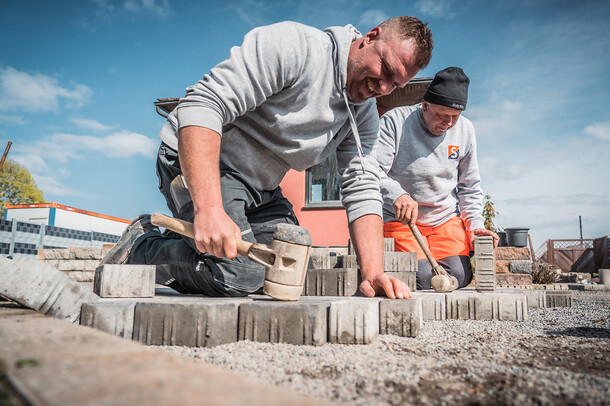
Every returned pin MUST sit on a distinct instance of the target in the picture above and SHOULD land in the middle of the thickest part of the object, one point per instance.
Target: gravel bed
(558, 356)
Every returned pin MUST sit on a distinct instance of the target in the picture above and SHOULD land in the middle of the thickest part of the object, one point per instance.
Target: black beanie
(449, 88)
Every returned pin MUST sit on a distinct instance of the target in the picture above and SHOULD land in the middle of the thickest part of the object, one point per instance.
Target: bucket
(516, 236)
(604, 276)
(502, 242)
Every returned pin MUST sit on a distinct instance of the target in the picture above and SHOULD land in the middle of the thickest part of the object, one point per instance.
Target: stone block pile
(76, 262)
(333, 272)
(513, 267)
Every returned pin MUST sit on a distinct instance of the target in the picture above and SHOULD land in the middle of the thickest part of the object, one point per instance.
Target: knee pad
(424, 275)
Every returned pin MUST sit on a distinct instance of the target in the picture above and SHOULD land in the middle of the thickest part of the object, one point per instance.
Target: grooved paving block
(434, 305)
(125, 280)
(401, 317)
(486, 306)
(320, 259)
(388, 245)
(353, 321)
(536, 300)
(112, 316)
(81, 276)
(331, 282)
(43, 288)
(400, 261)
(193, 324)
(485, 264)
(299, 322)
(347, 261)
(410, 278)
(558, 299)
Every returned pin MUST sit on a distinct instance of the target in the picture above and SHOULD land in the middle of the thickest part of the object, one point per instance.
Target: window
(322, 183)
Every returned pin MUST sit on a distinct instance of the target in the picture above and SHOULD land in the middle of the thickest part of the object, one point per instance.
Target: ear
(372, 35)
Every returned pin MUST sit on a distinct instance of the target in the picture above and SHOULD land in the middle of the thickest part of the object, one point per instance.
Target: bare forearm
(366, 233)
(199, 150)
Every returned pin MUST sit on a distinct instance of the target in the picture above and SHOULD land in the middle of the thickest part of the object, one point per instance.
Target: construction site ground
(558, 355)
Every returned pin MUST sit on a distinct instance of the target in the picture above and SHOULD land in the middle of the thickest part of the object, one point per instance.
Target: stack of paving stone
(513, 267)
(335, 271)
(76, 262)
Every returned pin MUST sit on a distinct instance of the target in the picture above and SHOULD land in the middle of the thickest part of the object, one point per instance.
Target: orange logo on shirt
(453, 152)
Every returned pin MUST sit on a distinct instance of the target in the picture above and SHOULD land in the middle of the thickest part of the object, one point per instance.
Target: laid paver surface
(53, 362)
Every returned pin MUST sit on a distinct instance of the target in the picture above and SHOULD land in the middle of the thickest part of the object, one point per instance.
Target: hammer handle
(436, 268)
(186, 229)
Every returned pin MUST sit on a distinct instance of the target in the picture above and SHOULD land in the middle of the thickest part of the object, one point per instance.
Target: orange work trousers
(447, 240)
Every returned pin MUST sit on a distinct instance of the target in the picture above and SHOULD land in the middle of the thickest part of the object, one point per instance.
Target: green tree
(17, 186)
(489, 212)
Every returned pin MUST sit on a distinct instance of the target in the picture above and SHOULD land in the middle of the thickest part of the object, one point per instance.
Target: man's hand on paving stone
(384, 284)
(482, 231)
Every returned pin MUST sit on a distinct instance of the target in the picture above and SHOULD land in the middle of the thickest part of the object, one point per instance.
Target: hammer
(286, 258)
(441, 281)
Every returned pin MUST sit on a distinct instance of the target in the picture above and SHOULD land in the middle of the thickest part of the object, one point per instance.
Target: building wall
(328, 227)
(54, 214)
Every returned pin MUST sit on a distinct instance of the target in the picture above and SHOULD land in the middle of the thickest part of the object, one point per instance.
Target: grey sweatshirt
(279, 103)
(441, 173)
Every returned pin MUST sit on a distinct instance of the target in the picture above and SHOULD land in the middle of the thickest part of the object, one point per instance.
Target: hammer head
(291, 245)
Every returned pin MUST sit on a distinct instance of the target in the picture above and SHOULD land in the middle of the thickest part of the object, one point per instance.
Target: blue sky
(78, 80)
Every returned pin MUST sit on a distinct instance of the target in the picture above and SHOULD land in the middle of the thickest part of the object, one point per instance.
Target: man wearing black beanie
(430, 177)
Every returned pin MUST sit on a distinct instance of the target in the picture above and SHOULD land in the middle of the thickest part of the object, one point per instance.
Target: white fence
(23, 238)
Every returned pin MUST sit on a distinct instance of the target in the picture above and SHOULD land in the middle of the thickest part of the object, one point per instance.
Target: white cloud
(90, 124)
(435, 8)
(601, 131)
(21, 91)
(15, 120)
(151, 6)
(53, 154)
(373, 18)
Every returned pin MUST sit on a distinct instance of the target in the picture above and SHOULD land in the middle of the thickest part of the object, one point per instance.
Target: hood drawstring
(352, 122)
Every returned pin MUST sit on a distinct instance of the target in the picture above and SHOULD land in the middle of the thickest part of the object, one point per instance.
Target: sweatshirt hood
(342, 38)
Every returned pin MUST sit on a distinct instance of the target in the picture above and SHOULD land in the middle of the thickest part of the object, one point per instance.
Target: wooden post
(5, 154)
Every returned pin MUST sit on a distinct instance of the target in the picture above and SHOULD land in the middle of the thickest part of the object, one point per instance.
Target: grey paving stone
(485, 264)
(86, 253)
(331, 282)
(536, 299)
(353, 321)
(434, 305)
(486, 306)
(388, 246)
(400, 261)
(321, 259)
(53, 254)
(402, 318)
(520, 266)
(43, 288)
(112, 280)
(300, 322)
(410, 278)
(347, 261)
(558, 299)
(112, 316)
(203, 323)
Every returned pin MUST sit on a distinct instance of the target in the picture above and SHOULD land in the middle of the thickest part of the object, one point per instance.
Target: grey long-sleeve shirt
(279, 103)
(441, 173)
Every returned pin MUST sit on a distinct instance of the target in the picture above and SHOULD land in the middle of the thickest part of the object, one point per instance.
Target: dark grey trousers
(458, 266)
(180, 265)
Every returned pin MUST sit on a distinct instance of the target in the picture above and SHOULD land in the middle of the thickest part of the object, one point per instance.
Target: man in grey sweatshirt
(430, 177)
(288, 97)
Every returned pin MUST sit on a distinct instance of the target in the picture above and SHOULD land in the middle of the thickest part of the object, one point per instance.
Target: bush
(543, 273)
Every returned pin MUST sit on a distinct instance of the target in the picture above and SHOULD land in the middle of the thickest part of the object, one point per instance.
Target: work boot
(137, 228)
